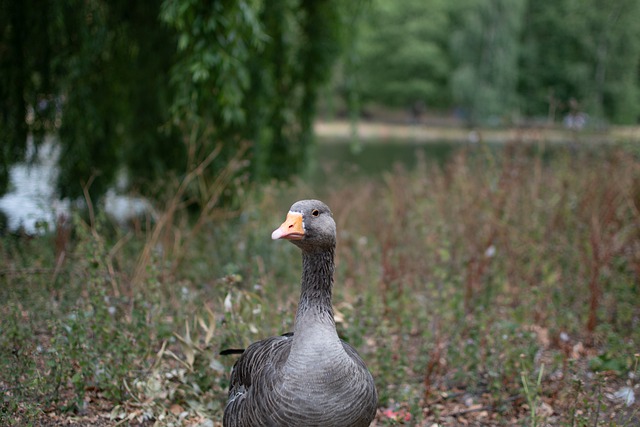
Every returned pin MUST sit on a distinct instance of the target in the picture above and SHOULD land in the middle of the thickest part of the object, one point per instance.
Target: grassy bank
(497, 289)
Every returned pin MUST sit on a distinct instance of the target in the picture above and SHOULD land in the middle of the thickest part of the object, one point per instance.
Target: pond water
(336, 161)
(372, 158)
(32, 205)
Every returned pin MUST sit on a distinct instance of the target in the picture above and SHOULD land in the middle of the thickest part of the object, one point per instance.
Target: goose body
(310, 377)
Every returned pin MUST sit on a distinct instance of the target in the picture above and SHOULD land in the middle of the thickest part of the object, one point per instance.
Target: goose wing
(241, 374)
(365, 386)
(259, 364)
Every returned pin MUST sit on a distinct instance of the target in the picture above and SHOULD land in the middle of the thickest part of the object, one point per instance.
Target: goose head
(309, 225)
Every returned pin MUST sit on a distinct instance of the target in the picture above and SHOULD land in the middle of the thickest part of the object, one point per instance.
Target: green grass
(497, 289)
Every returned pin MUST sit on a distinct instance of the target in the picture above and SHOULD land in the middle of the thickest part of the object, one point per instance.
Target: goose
(309, 377)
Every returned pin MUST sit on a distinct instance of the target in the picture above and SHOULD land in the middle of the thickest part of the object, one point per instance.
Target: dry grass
(490, 267)
(498, 289)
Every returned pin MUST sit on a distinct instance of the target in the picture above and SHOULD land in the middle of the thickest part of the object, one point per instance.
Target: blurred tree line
(153, 87)
(497, 60)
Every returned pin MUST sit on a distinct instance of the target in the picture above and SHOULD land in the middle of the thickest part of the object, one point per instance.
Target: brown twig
(27, 271)
(481, 408)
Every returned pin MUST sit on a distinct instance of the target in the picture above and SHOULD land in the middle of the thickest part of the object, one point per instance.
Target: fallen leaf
(625, 394)
(577, 351)
(176, 409)
(545, 410)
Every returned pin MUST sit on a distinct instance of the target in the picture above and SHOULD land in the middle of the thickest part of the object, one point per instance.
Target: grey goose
(310, 377)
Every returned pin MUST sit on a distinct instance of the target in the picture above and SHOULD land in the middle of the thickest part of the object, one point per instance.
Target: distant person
(576, 119)
(417, 110)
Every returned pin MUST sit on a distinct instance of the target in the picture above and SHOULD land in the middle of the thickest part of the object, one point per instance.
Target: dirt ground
(425, 133)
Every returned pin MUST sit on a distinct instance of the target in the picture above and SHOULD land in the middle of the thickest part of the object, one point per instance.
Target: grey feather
(310, 377)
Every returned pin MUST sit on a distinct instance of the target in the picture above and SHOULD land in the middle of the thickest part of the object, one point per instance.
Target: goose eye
(315, 212)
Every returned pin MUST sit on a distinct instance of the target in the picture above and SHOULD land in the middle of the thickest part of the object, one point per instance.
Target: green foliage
(114, 96)
(149, 90)
(403, 53)
(589, 51)
(532, 391)
(94, 340)
(303, 41)
(485, 47)
(495, 60)
(215, 42)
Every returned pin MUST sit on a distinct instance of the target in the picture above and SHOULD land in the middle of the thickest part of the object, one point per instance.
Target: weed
(498, 289)
(532, 394)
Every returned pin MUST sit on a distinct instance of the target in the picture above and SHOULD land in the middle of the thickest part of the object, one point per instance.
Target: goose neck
(317, 284)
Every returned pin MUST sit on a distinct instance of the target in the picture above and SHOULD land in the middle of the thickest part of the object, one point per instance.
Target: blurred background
(131, 93)
(480, 156)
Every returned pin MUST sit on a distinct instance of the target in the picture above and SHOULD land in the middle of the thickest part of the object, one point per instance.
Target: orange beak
(291, 228)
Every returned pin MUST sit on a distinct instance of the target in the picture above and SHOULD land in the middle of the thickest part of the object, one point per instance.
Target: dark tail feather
(229, 351)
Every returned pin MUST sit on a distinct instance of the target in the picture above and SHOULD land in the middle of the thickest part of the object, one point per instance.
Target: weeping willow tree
(141, 88)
